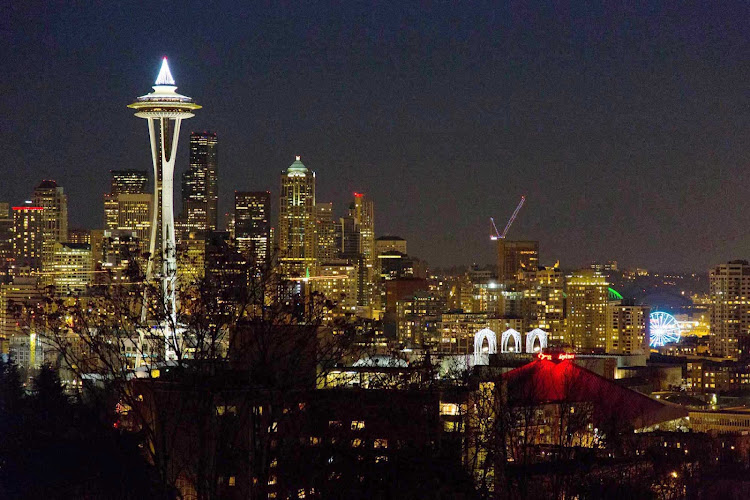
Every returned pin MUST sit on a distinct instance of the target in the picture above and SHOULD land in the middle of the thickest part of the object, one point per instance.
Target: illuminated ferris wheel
(664, 329)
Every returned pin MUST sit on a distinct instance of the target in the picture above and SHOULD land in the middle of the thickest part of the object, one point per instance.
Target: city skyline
(636, 158)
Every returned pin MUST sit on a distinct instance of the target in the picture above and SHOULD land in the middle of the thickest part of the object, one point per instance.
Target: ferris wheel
(664, 329)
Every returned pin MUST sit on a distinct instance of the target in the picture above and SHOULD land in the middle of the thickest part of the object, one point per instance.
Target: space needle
(164, 109)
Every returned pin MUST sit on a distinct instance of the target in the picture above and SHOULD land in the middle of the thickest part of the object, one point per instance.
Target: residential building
(588, 293)
(729, 315)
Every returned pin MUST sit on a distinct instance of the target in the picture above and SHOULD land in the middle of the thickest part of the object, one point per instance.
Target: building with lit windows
(514, 256)
(54, 201)
(363, 213)
(24, 293)
(417, 318)
(115, 255)
(387, 243)
(192, 253)
(28, 237)
(129, 206)
(297, 240)
(628, 328)
(72, 267)
(200, 188)
(729, 315)
(6, 237)
(252, 228)
(79, 235)
(457, 330)
(717, 377)
(129, 181)
(130, 212)
(325, 228)
(588, 293)
(543, 300)
(337, 281)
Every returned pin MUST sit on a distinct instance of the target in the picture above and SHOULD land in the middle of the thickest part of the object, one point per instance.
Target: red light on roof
(28, 208)
(359, 195)
(563, 356)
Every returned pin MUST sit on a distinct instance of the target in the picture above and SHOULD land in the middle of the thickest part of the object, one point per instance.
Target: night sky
(625, 127)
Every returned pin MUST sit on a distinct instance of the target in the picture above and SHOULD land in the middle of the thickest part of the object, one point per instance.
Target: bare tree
(236, 357)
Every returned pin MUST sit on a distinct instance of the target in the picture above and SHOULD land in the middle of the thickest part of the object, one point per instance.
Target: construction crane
(497, 235)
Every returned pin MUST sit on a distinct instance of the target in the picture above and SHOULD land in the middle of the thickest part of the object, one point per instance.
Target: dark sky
(626, 127)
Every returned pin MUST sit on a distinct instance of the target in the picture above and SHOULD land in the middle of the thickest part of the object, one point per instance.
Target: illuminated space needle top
(164, 101)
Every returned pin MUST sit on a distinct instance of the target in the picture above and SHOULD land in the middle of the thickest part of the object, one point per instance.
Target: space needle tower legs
(164, 109)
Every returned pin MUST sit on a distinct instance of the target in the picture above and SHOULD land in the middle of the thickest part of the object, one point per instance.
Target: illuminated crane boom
(498, 236)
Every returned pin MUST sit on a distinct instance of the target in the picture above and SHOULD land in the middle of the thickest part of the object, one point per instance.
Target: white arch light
(507, 334)
(479, 338)
(534, 334)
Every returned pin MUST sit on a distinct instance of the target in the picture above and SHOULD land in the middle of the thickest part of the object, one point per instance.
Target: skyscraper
(200, 190)
(164, 109)
(364, 217)
(588, 292)
(72, 266)
(252, 228)
(129, 207)
(297, 241)
(54, 201)
(730, 309)
(513, 256)
(28, 237)
(129, 181)
(325, 228)
(6, 236)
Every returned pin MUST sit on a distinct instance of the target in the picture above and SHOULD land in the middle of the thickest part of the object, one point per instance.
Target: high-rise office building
(129, 181)
(588, 293)
(349, 238)
(325, 228)
(6, 236)
(200, 189)
(28, 237)
(364, 216)
(252, 228)
(514, 256)
(297, 241)
(79, 235)
(54, 201)
(73, 267)
(129, 207)
(730, 309)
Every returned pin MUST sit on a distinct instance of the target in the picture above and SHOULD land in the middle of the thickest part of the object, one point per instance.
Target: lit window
(358, 425)
(448, 409)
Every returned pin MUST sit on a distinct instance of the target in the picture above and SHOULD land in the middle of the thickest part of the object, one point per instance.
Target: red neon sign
(563, 356)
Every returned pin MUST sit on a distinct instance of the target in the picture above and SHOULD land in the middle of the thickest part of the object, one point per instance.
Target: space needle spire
(164, 109)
